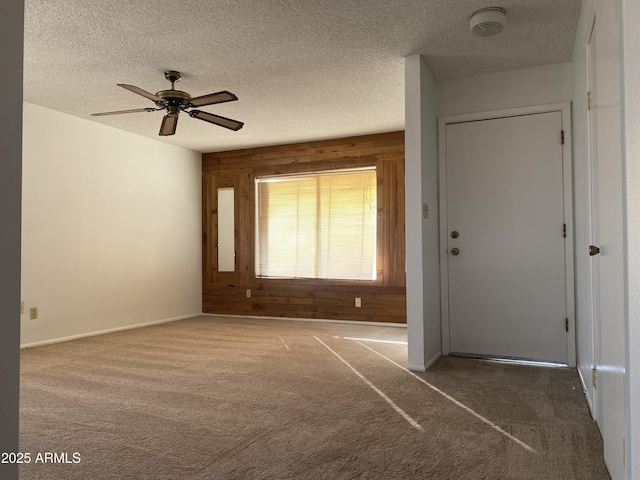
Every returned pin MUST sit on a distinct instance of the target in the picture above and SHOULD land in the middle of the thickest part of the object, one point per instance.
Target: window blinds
(320, 225)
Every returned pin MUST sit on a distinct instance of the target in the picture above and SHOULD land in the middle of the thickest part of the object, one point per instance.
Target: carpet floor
(228, 398)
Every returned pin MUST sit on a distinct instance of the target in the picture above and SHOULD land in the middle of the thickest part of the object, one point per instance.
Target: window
(226, 233)
(317, 225)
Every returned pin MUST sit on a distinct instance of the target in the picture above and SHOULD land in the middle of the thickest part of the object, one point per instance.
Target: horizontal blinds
(319, 225)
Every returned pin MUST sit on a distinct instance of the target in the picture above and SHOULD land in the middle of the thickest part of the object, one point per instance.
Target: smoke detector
(488, 22)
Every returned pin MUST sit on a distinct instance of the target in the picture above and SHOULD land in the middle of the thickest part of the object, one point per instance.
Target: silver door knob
(455, 251)
(593, 250)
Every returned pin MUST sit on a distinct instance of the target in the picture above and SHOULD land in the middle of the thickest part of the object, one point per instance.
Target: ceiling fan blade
(169, 124)
(213, 98)
(135, 110)
(216, 119)
(139, 91)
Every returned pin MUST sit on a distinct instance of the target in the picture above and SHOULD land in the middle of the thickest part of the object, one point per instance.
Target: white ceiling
(302, 70)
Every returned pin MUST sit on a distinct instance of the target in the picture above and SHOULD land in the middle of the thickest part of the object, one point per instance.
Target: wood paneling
(383, 299)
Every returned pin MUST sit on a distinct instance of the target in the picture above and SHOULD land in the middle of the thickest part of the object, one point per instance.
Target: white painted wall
(111, 232)
(630, 14)
(11, 37)
(498, 91)
(423, 257)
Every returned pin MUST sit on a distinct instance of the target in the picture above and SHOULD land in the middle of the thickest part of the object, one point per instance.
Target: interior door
(607, 236)
(505, 218)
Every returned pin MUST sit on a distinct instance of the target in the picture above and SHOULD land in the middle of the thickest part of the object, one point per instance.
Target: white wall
(111, 232)
(421, 185)
(630, 13)
(11, 38)
(502, 90)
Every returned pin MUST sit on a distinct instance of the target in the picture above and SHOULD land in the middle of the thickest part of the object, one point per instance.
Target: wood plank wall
(383, 299)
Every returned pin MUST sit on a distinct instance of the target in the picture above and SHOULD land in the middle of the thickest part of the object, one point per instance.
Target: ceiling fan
(175, 100)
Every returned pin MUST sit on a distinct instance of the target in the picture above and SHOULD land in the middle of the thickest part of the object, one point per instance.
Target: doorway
(506, 237)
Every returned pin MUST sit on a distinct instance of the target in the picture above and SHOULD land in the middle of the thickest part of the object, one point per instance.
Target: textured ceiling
(302, 70)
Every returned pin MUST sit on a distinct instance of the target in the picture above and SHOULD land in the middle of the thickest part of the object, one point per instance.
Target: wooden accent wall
(383, 299)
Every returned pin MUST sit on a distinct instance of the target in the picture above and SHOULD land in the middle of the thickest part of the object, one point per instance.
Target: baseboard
(427, 364)
(417, 368)
(432, 360)
(291, 319)
(110, 330)
(587, 395)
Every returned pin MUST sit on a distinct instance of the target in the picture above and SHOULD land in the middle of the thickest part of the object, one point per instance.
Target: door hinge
(566, 324)
(562, 137)
(588, 100)
(593, 377)
(564, 230)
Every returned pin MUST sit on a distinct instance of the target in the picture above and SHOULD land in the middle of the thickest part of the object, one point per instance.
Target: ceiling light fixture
(488, 22)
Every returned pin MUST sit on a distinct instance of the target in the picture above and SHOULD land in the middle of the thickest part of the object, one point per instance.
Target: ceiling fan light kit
(488, 22)
(174, 101)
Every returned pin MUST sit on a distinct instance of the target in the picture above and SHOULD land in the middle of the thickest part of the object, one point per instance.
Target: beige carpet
(222, 398)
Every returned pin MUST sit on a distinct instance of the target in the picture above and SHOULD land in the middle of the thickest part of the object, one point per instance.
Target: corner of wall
(421, 165)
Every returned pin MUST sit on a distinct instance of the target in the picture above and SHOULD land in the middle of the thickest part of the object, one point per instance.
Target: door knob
(593, 250)
(455, 234)
(455, 251)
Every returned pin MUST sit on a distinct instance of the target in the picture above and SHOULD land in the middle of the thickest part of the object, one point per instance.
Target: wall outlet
(248, 293)
(21, 308)
(358, 302)
(33, 313)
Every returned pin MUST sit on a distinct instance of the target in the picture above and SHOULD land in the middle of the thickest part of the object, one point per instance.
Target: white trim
(444, 257)
(432, 360)
(417, 368)
(565, 110)
(319, 320)
(509, 112)
(110, 330)
(567, 174)
(592, 397)
(587, 395)
(427, 365)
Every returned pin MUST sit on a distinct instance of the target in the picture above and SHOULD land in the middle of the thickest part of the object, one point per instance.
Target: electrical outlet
(248, 293)
(33, 313)
(21, 308)
(358, 302)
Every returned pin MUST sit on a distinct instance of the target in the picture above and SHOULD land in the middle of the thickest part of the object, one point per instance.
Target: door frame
(591, 394)
(565, 109)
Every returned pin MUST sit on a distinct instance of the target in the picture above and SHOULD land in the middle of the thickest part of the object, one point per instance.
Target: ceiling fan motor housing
(173, 97)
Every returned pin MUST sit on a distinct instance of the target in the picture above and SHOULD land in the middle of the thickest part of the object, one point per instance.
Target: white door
(607, 235)
(505, 220)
